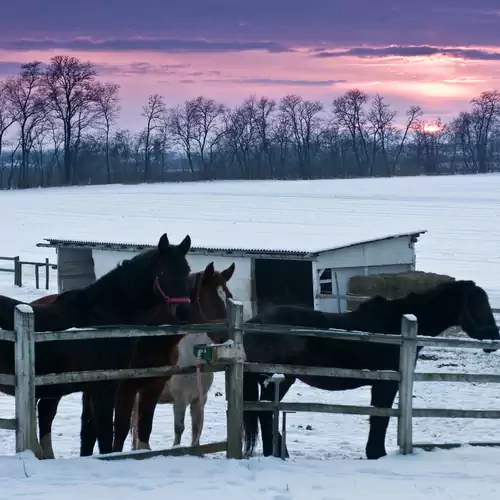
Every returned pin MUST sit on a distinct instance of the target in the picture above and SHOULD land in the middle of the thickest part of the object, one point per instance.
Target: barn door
(283, 282)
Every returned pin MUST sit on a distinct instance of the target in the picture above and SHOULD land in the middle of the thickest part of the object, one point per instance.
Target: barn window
(325, 282)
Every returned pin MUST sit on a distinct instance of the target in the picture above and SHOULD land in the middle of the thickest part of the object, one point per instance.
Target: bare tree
(461, 134)
(349, 112)
(413, 115)
(154, 112)
(108, 109)
(69, 84)
(486, 111)
(381, 120)
(27, 102)
(240, 138)
(304, 121)
(208, 130)
(264, 111)
(39, 138)
(7, 115)
(429, 139)
(181, 122)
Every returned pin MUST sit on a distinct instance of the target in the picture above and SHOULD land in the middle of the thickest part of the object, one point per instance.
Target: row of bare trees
(58, 126)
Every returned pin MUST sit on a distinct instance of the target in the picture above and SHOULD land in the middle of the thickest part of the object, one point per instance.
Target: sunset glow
(438, 57)
(432, 128)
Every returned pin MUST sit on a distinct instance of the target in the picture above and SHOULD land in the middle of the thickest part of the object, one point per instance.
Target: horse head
(463, 303)
(210, 295)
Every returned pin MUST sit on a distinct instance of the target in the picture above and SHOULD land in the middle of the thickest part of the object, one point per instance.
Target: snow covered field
(461, 215)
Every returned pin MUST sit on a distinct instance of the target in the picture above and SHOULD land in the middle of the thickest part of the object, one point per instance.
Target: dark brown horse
(206, 306)
(156, 276)
(454, 303)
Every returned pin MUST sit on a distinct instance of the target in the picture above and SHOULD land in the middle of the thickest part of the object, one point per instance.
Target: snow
(25, 308)
(458, 474)
(461, 215)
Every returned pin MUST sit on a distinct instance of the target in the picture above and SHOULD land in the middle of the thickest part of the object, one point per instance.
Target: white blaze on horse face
(222, 294)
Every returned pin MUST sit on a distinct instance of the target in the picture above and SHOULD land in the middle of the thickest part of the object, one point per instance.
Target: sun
(432, 128)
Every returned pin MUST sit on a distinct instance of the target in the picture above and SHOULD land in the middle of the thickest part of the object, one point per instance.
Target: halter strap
(169, 300)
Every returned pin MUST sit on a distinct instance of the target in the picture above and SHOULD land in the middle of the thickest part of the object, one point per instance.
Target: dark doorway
(279, 282)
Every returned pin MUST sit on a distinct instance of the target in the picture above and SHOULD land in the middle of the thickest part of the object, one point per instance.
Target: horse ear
(228, 273)
(185, 245)
(163, 244)
(209, 271)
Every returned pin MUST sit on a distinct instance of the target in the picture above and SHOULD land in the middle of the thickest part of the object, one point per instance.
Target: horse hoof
(143, 446)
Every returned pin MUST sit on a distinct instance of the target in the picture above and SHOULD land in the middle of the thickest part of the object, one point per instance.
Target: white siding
(75, 268)
(384, 256)
(378, 253)
(106, 260)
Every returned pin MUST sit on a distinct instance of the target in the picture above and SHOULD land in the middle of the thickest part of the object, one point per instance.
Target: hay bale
(393, 286)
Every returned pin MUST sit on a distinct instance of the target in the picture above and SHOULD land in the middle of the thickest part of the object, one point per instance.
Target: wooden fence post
(18, 272)
(37, 276)
(407, 358)
(24, 327)
(234, 384)
(47, 273)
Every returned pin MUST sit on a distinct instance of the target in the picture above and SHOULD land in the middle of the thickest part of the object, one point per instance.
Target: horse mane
(127, 283)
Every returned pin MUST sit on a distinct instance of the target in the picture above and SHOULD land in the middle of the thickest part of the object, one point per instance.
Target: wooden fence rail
(234, 365)
(17, 269)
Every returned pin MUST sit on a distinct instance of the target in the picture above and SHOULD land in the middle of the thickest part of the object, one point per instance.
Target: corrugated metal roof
(122, 246)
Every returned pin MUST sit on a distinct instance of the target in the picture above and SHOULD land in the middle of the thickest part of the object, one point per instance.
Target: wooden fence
(25, 380)
(232, 360)
(17, 269)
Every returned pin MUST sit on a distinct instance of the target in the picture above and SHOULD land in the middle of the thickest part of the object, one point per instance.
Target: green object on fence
(205, 352)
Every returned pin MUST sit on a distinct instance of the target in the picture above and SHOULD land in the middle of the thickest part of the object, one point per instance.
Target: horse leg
(147, 405)
(266, 418)
(180, 406)
(383, 395)
(197, 409)
(124, 404)
(88, 435)
(102, 404)
(134, 421)
(47, 410)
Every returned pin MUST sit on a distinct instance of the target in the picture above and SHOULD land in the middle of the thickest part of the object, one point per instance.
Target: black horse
(455, 303)
(159, 275)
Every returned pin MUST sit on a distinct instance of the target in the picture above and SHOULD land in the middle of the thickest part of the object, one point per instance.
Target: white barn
(262, 276)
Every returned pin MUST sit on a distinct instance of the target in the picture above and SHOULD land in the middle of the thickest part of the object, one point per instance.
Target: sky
(435, 53)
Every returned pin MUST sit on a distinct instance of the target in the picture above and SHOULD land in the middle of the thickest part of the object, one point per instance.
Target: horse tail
(250, 418)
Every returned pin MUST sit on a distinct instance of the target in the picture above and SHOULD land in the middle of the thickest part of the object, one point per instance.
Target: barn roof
(336, 244)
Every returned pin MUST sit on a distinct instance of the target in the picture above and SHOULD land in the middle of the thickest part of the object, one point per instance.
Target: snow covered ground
(461, 214)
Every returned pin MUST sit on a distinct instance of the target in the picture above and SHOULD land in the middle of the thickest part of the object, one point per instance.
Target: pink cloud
(441, 83)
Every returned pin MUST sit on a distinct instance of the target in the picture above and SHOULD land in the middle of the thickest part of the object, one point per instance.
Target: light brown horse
(209, 305)
(189, 389)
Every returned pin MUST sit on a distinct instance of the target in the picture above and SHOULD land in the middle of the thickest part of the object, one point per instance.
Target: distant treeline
(64, 121)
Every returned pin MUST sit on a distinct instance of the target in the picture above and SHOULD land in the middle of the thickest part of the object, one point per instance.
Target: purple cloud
(287, 22)
(139, 68)
(87, 44)
(287, 82)
(411, 51)
(8, 68)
